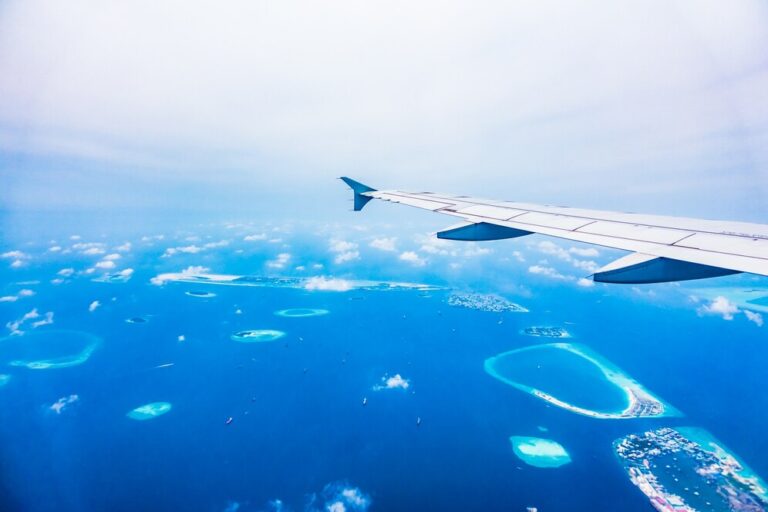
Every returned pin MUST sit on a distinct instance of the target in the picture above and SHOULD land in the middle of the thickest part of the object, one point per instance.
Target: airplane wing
(662, 249)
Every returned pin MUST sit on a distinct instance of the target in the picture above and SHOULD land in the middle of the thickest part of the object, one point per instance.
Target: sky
(256, 107)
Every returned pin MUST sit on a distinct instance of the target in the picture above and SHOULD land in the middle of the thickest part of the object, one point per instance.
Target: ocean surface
(293, 423)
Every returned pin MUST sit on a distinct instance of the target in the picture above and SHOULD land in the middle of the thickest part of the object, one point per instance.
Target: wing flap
(639, 232)
(410, 200)
(491, 212)
(726, 244)
(551, 220)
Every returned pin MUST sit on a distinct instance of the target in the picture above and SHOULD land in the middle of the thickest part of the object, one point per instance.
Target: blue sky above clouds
(655, 106)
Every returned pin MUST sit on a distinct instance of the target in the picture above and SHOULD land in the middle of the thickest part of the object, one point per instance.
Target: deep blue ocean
(299, 431)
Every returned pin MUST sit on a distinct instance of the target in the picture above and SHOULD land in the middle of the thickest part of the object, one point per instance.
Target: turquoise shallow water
(46, 350)
(539, 452)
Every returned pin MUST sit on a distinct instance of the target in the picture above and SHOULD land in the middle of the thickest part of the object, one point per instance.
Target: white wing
(662, 248)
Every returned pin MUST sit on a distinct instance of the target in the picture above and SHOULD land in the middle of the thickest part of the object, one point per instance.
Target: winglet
(359, 189)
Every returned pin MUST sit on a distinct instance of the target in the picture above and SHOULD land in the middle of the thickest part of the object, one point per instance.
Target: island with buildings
(687, 469)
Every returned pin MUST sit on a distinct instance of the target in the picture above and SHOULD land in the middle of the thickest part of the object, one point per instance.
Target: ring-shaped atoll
(573, 377)
(301, 312)
(47, 350)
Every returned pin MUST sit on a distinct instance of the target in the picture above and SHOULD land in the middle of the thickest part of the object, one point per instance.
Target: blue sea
(301, 423)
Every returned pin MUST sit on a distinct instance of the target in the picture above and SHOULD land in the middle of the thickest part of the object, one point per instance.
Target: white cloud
(66, 272)
(92, 251)
(327, 284)
(753, 317)
(342, 246)
(552, 249)
(587, 252)
(82, 246)
(384, 244)
(187, 249)
(345, 251)
(586, 265)
(54, 248)
(47, 319)
(345, 257)
(13, 255)
(412, 258)
(15, 325)
(254, 238)
(518, 256)
(17, 264)
(546, 271)
(433, 245)
(585, 283)
(124, 248)
(394, 382)
(192, 270)
(720, 306)
(280, 261)
(339, 497)
(62, 403)
(112, 257)
(355, 497)
(214, 245)
(22, 293)
(474, 250)
(94, 306)
(105, 265)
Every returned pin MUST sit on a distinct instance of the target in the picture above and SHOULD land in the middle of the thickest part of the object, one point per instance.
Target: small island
(539, 452)
(257, 335)
(149, 411)
(200, 295)
(480, 302)
(546, 332)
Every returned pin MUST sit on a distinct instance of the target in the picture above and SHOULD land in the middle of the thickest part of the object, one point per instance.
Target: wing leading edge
(663, 249)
